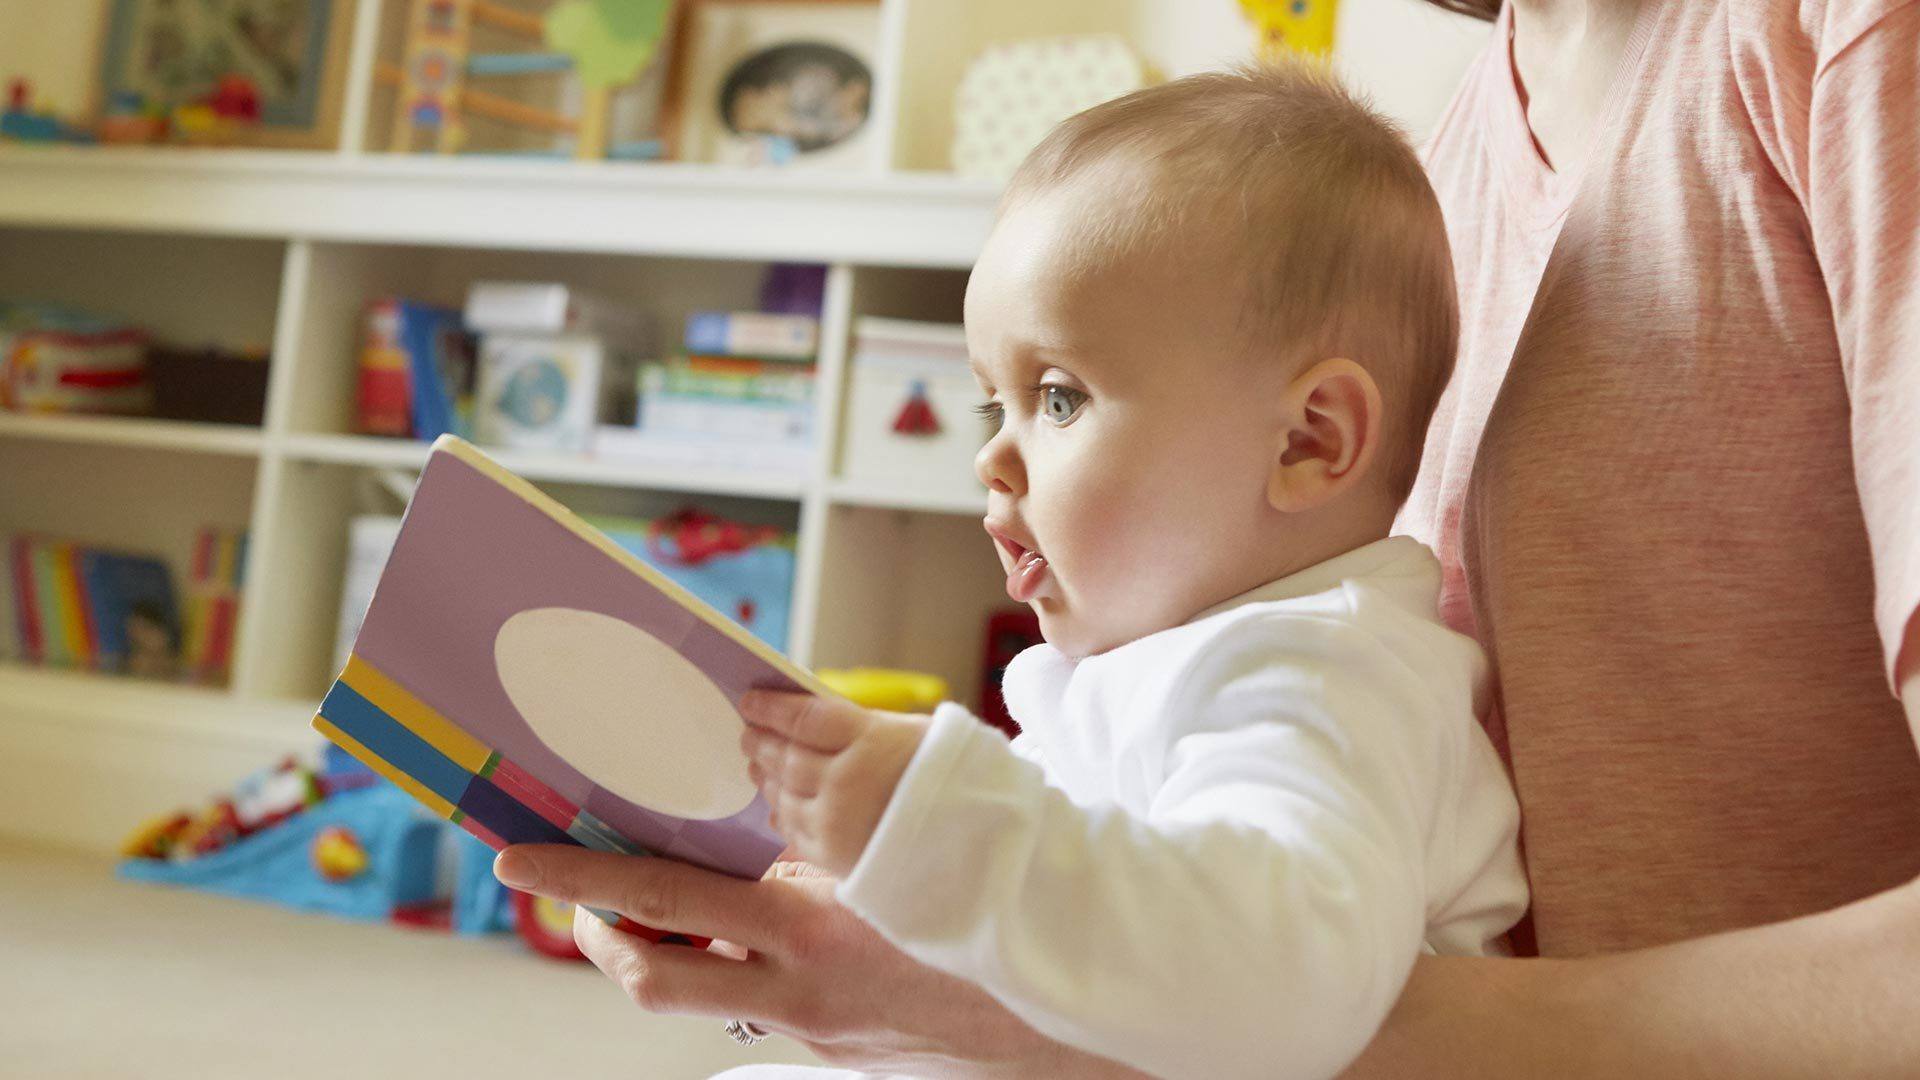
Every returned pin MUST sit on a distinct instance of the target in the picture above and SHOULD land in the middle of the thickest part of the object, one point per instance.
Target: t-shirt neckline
(1544, 193)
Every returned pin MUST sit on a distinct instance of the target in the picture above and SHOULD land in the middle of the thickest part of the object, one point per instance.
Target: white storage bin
(898, 367)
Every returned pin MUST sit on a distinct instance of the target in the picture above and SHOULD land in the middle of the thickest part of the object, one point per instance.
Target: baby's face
(1127, 480)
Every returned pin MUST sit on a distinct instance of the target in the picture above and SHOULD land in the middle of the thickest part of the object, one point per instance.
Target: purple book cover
(570, 669)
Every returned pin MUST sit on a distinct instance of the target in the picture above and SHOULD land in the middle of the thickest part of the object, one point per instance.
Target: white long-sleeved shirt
(1217, 850)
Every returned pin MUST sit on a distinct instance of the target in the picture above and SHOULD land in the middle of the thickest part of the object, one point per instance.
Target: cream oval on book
(625, 709)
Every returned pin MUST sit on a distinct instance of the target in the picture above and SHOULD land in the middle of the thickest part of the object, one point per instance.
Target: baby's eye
(1061, 403)
(990, 412)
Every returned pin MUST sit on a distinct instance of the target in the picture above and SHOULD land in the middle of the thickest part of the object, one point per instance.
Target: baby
(1211, 324)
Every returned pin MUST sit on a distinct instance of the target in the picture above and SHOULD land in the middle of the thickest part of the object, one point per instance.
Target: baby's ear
(1332, 416)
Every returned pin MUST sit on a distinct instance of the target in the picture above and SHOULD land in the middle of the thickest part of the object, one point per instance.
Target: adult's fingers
(674, 979)
(808, 720)
(662, 893)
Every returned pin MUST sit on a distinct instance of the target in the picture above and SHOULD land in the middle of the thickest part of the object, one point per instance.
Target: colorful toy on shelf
(56, 359)
(131, 119)
(231, 106)
(602, 44)
(338, 854)
(887, 688)
(1291, 26)
(20, 123)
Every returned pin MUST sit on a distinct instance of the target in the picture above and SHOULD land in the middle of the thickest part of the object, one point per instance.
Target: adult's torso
(1641, 486)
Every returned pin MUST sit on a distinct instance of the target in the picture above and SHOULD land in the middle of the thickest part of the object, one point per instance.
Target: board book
(530, 680)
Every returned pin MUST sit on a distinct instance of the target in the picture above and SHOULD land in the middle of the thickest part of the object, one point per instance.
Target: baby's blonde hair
(1330, 222)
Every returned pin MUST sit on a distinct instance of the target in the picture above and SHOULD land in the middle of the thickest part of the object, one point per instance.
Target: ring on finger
(746, 1032)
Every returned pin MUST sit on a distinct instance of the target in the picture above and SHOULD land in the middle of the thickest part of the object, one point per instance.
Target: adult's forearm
(1833, 995)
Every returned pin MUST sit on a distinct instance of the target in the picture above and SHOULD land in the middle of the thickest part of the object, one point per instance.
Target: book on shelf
(525, 676)
(765, 335)
(416, 371)
(73, 606)
(547, 307)
(213, 604)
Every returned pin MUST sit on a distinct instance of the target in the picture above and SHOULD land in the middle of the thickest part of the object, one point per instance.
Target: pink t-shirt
(1676, 480)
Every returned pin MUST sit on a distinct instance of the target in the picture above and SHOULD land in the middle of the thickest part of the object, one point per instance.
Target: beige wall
(54, 44)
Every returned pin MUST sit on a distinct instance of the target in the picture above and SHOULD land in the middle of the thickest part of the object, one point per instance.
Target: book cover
(753, 333)
(134, 614)
(12, 646)
(55, 607)
(73, 578)
(26, 601)
(529, 679)
(440, 364)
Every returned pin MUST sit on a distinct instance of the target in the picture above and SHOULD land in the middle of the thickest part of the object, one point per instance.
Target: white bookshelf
(281, 250)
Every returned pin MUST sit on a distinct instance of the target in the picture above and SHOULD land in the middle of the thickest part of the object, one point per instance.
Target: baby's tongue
(1027, 576)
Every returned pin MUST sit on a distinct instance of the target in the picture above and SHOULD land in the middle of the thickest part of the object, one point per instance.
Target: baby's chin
(1078, 638)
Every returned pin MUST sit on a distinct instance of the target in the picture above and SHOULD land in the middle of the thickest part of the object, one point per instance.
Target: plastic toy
(21, 124)
(131, 119)
(338, 854)
(916, 416)
(233, 104)
(1291, 25)
(546, 926)
(887, 688)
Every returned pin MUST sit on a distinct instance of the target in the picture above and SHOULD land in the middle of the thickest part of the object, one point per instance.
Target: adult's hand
(811, 970)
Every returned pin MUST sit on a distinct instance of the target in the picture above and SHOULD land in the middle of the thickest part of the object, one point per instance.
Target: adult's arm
(1834, 995)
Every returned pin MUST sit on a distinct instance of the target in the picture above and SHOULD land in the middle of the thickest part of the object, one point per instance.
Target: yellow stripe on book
(393, 699)
(379, 764)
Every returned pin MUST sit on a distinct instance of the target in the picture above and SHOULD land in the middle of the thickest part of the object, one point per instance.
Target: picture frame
(173, 52)
(773, 82)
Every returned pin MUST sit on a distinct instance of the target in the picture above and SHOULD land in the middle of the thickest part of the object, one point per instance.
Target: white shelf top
(892, 219)
(231, 439)
(126, 703)
(553, 467)
(902, 497)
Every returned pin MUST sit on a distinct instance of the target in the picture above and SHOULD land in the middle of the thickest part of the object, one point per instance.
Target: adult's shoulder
(1802, 38)
(1779, 50)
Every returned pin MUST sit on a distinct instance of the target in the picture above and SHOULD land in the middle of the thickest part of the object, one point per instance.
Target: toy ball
(338, 854)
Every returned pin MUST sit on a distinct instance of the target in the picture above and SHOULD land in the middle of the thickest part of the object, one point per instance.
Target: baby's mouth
(1028, 574)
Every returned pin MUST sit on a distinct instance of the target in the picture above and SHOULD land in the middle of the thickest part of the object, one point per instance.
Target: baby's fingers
(784, 766)
(816, 722)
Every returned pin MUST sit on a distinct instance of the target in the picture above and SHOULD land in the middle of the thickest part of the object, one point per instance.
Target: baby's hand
(828, 769)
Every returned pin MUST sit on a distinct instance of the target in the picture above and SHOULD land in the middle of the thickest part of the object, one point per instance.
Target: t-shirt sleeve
(1863, 203)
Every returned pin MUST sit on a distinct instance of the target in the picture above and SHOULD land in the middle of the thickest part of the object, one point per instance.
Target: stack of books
(213, 605)
(741, 398)
(66, 605)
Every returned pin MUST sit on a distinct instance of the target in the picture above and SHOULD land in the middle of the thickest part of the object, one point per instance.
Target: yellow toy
(887, 689)
(338, 855)
(1299, 25)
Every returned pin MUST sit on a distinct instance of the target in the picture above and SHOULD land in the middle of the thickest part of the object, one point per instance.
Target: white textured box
(894, 360)
(539, 392)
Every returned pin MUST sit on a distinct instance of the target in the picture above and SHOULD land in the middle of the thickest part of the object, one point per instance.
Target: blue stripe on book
(507, 817)
(353, 714)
